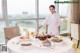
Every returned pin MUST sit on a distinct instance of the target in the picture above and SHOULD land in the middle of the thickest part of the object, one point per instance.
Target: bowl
(42, 38)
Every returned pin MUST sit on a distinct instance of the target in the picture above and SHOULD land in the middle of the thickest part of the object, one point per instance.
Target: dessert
(56, 39)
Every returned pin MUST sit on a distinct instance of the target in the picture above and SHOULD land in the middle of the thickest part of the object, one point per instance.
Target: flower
(74, 45)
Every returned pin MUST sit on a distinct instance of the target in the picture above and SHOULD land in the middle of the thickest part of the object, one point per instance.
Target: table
(63, 48)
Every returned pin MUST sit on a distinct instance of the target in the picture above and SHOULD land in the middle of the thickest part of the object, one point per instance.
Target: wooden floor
(77, 50)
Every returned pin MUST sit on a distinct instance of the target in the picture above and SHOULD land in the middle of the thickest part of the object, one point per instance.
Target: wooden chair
(10, 32)
(75, 32)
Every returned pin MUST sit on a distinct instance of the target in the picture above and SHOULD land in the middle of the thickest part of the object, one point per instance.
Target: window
(42, 30)
(2, 25)
(0, 8)
(63, 27)
(63, 11)
(2, 39)
(30, 25)
(44, 7)
(18, 9)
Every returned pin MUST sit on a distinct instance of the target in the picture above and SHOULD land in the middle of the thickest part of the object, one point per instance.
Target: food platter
(42, 41)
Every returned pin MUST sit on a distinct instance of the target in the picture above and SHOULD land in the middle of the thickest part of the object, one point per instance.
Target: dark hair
(52, 6)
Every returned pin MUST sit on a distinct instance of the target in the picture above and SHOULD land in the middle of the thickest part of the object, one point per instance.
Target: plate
(26, 45)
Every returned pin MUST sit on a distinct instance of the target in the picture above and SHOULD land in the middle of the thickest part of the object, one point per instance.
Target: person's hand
(39, 27)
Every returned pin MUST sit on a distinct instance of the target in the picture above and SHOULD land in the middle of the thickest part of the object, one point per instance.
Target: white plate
(57, 43)
(26, 47)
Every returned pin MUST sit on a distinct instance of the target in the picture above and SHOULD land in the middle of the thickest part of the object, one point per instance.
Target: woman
(52, 22)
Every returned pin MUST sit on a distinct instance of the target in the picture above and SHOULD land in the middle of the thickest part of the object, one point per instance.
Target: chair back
(11, 32)
(75, 31)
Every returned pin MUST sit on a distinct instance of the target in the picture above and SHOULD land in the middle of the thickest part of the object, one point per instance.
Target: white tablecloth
(63, 48)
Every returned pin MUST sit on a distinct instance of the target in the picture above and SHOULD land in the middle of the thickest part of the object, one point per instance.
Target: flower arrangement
(74, 45)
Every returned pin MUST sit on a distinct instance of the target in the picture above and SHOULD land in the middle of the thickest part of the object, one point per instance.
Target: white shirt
(53, 22)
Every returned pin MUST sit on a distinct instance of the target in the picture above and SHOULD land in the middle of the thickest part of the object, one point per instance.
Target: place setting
(45, 41)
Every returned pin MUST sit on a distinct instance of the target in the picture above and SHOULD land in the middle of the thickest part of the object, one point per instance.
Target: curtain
(73, 13)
